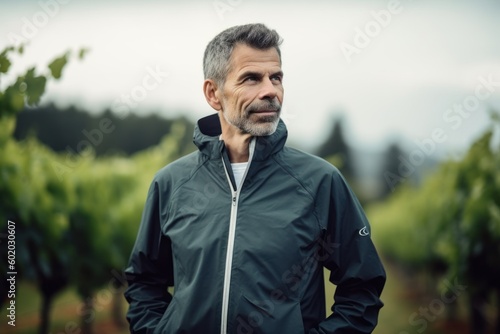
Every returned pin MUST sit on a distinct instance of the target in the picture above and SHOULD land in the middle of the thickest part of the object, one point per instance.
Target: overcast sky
(394, 70)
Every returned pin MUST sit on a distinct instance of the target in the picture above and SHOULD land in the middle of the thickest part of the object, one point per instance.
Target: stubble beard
(262, 126)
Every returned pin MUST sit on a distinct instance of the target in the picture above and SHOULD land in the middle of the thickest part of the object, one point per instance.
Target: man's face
(252, 94)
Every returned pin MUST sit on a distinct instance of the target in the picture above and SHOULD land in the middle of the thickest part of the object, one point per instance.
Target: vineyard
(77, 216)
(449, 229)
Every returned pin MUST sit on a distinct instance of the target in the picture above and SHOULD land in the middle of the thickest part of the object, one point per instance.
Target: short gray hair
(218, 51)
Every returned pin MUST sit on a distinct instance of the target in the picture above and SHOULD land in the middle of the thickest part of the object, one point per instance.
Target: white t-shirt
(238, 171)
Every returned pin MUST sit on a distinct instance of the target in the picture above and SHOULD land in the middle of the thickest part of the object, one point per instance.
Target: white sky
(426, 59)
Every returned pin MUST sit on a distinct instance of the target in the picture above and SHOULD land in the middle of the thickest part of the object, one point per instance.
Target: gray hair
(218, 51)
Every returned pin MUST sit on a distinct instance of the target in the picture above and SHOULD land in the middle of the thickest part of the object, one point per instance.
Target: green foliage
(76, 220)
(32, 86)
(57, 65)
(4, 61)
(27, 88)
(475, 245)
(336, 149)
(34, 197)
(450, 224)
(82, 53)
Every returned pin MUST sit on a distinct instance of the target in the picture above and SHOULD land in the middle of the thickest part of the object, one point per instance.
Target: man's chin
(262, 128)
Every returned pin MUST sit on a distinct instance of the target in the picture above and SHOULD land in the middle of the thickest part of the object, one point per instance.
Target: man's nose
(269, 90)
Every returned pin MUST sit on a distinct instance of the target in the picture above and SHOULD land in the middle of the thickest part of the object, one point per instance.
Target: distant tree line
(392, 169)
(74, 130)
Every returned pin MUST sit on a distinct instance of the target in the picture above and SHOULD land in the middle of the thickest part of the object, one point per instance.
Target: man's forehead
(244, 56)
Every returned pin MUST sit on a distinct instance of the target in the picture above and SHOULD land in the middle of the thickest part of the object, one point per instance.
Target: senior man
(243, 227)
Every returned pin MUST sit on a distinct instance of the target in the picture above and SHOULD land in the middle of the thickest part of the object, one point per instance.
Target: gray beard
(264, 127)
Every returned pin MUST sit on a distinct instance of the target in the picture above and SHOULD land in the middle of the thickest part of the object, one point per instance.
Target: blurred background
(402, 96)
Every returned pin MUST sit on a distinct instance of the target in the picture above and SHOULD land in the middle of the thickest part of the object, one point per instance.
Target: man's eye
(251, 79)
(277, 78)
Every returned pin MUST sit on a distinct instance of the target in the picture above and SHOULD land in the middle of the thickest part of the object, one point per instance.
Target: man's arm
(150, 270)
(354, 264)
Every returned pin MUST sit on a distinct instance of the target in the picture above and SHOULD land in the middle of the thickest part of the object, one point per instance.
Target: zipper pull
(234, 199)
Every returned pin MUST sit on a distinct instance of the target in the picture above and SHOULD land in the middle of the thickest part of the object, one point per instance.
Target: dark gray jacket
(251, 260)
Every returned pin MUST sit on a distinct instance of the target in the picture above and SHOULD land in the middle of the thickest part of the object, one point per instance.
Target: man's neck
(237, 145)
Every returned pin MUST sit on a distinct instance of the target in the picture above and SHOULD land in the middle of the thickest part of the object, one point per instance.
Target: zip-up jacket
(250, 259)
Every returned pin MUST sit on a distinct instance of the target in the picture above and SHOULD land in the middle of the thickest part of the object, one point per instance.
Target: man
(243, 227)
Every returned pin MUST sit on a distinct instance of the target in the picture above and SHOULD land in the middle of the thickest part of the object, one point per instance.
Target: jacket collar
(208, 130)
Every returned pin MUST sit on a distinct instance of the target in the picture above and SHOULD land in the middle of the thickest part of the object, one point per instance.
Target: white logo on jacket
(364, 232)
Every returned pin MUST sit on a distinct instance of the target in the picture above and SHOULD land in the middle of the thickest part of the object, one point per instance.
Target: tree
(64, 130)
(390, 174)
(336, 150)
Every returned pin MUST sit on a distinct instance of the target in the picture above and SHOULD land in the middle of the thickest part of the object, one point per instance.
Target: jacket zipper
(235, 195)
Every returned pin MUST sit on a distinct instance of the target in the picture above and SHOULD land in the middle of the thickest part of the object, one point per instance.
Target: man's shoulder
(311, 171)
(299, 160)
(179, 169)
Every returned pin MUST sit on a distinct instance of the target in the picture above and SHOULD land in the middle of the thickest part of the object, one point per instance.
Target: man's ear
(210, 89)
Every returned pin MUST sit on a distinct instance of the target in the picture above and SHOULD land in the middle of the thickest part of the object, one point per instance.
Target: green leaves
(33, 87)
(82, 53)
(12, 99)
(57, 65)
(28, 89)
(453, 218)
(4, 61)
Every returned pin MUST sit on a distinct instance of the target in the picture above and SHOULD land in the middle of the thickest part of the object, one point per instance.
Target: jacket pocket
(269, 317)
(166, 323)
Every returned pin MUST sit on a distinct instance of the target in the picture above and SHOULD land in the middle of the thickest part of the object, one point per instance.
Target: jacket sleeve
(149, 272)
(354, 265)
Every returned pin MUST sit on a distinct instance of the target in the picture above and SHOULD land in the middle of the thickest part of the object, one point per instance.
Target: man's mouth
(265, 112)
